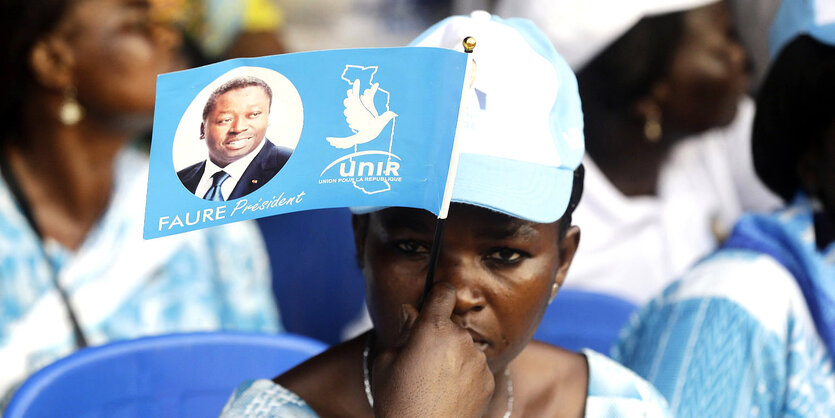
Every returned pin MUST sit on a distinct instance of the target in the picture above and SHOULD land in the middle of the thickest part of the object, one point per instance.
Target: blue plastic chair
(578, 319)
(316, 279)
(166, 376)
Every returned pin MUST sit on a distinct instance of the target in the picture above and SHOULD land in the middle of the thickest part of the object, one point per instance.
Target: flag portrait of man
(238, 154)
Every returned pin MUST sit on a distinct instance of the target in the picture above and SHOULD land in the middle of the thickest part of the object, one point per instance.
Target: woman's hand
(434, 370)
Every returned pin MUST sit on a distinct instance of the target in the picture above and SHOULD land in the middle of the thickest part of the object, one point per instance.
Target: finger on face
(439, 304)
(408, 316)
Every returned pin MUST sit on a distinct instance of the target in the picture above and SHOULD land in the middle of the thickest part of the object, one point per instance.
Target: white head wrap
(581, 29)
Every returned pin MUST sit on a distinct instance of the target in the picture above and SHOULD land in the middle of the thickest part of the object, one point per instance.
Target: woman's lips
(479, 340)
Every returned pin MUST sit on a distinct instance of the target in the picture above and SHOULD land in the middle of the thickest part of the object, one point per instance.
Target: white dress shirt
(235, 170)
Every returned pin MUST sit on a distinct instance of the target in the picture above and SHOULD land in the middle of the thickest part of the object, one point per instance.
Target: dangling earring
(554, 289)
(815, 203)
(71, 111)
(652, 126)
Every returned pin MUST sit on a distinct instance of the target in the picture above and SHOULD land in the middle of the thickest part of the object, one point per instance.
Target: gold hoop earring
(652, 126)
(554, 289)
(71, 111)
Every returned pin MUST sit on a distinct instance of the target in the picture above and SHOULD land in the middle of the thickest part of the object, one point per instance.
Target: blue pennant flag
(255, 137)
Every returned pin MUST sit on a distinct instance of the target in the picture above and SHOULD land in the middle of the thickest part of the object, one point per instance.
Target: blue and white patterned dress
(735, 336)
(122, 286)
(613, 391)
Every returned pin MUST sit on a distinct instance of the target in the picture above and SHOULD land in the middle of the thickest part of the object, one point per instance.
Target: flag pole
(469, 45)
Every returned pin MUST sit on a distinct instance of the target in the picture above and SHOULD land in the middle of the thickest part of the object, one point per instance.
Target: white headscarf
(581, 29)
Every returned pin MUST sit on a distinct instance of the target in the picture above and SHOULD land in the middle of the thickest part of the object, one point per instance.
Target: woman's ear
(360, 225)
(650, 107)
(567, 248)
(808, 166)
(645, 108)
(649, 111)
(52, 60)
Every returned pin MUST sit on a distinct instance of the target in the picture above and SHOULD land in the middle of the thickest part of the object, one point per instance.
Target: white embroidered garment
(633, 247)
(121, 286)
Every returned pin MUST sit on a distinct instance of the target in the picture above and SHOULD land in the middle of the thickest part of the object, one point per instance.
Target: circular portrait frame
(285, 121)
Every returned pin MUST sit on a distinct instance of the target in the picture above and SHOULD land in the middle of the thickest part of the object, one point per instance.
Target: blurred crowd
(702, 142)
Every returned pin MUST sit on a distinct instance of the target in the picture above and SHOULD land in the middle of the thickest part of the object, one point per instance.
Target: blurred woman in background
(79, 80)
(750, 331)
(651, 75)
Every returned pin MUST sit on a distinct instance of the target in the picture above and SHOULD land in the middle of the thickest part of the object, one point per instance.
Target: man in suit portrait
(241, 158)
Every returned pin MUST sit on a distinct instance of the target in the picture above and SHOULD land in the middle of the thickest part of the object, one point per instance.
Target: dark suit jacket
(263, 167)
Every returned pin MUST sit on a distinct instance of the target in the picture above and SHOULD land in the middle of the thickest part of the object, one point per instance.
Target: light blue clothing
(613, 391)
(790, 237)
(121, 286)
(263, 398)
(735, 336)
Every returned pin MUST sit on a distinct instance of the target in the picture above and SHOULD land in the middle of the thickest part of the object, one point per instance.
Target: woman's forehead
(475, 220)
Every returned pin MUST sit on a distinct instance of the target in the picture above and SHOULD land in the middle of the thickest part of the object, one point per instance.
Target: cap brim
(527, 191)
(522, 190)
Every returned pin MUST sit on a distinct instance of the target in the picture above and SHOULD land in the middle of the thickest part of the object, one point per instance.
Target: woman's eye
(505, 255)
(137, 24)
(412, 247)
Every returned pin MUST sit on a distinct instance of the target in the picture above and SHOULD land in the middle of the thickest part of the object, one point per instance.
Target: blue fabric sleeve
(615, 391)
(711, 357)
(263, 398)
(708, 357)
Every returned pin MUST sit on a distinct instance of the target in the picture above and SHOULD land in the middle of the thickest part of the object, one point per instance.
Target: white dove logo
(362, 117)
(370, 166)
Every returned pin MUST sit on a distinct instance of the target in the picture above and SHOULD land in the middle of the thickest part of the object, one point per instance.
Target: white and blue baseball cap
(522, 136)
(815, 18)
(522, 133)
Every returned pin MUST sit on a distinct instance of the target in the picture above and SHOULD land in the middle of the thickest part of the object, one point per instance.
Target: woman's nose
(168, 41)
(167, 37)
(734, 54)
(468, 281)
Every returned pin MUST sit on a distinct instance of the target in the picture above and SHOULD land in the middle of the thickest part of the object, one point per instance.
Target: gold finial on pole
(469, 44)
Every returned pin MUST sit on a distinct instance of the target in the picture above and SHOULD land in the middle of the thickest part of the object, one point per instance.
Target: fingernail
(403, 315)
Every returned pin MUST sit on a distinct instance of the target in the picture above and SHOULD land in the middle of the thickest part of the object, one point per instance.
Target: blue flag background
(332, 165)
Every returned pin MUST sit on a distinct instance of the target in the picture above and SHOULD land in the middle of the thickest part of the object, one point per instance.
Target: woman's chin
(132, 122)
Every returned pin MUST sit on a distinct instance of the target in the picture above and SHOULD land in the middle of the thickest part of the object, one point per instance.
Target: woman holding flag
(465, 349)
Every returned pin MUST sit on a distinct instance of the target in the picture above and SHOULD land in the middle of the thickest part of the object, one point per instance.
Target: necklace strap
(366, 371)
(26, 209)
(509, 393)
